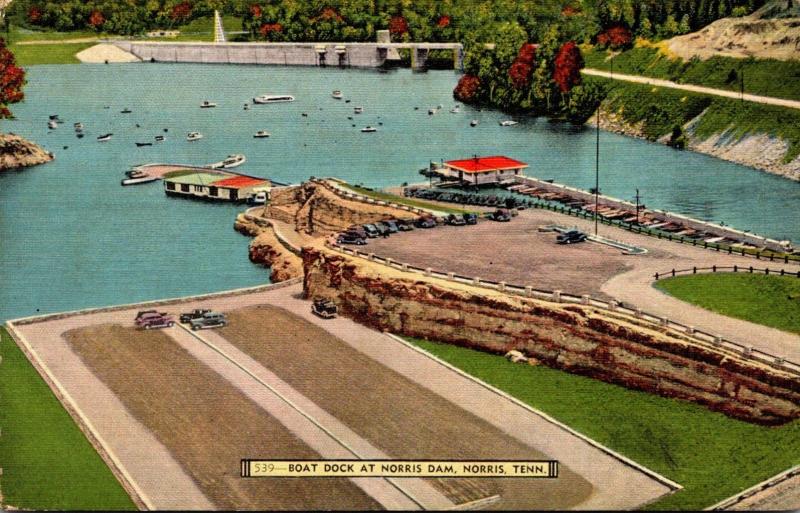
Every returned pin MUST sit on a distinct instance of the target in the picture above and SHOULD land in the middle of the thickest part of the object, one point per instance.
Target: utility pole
(597, 169)
(638, 199)
(741, 86)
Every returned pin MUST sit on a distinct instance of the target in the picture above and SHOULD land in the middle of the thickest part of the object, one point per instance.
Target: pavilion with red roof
(482, 170)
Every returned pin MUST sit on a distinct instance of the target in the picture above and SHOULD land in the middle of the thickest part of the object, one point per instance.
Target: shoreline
(16, 152)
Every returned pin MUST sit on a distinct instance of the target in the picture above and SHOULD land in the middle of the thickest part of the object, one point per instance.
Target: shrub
(467, 88)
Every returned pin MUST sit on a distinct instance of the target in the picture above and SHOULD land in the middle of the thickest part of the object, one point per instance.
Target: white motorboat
(474, 122)
(207, 105)
(508, 122)
(358, 110)
(231, 161)
(78, 127)
(160, 138)
(261, 134)
(52, 125)
(273, 98)
(194, 136)
(337, 95)
(138, 179)
(369, 129)
(104, 137)
(433, 111)
(455, 110)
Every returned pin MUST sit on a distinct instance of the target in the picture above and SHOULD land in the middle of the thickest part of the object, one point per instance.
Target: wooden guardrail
(727, 269)
(557, 296)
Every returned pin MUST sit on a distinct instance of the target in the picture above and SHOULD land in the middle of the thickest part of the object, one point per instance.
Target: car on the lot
(194, 314)
(350, 238)
(324, 308)
(454, 220)
(392, 225)
(405, 225)
(358, 230)
(502, 215)
(425, 222)
(209, 320)
(372, 230)
(470, 218)
(383, 229)
(151, 319)
(571, 237)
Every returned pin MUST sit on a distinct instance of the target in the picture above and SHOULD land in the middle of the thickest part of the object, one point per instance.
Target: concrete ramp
(105, 52)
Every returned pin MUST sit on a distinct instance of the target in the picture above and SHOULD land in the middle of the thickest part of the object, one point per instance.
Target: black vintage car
(425, 222)
(351, 238)
(571, 237)
(194, 314)
(470, 218)
(324, 308)
(454, 220)
(501, 215)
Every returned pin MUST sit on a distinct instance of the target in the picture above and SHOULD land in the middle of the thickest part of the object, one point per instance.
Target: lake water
(71, 237)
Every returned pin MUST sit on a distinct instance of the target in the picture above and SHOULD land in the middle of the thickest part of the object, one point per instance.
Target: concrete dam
(358, 55)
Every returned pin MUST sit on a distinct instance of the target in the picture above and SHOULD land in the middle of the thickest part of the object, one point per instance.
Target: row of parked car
(359, 234)
(197, 319)
(485, 200)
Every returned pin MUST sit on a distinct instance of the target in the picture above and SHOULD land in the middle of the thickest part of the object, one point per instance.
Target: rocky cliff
(267, 249)
(315, 209)
(16, 152)
(577, 339)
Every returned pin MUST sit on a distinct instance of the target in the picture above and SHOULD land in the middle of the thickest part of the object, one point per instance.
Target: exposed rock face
(267, 250)
(573, 338)
(315, 209)
(17, 152)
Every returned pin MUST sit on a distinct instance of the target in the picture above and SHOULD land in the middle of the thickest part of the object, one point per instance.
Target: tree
(568, 64)
(467, 89)
(398, 26)
(583, 101)
(181, 12)
(96, 19)
(12, 79)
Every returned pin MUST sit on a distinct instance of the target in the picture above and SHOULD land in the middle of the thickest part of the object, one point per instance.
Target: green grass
(47, 462)
(56, 53)
(766, 77)
(202, 29)
(385, 196)
(769, 300)
(712, 456)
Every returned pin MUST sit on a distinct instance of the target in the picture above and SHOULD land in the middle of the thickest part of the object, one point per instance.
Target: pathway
(767, 100)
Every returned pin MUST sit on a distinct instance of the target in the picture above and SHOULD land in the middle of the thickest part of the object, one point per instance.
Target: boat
(358, 110)
(160, 138)
(78, 126)
(207, 105)
(455, 110)
(267, 98)
(104, 137)
(52, 124)
(261, 134)
(194, 136)
(144, 144)
(231, 161)
(431, 112)
(135, 173)
(125, 111)
(54, 117)
(80, 135)
(337, 95)
(369, 129)
(246, 107)
(508, 122)
(138, 179)
(474, 122)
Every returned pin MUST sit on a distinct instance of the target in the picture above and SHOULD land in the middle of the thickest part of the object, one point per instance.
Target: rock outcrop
(16, 152)
(579, 339)
(314, 208)
(266, 249)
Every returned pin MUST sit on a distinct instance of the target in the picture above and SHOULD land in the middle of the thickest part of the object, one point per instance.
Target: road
(766, 100)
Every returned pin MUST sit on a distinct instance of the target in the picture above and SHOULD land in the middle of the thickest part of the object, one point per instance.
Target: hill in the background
(772, 32)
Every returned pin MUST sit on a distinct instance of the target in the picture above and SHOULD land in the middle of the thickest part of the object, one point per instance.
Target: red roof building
(239, 182)
(483, 170)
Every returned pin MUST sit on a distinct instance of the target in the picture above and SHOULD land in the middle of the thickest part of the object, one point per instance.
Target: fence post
(585, 299)
(690, 330)
(404, 266)
(673, 272)
(747, 351)
(766, 271)
(612, 306)
(638, 313)
(451, 276)
(713, 268)
(501, 286)
(694, 270)
(557, 296)
(476, 280)
(370, 256)
(718, 340)
(656, 276)
(751, 269)
(736, 268)
(528, 290)
(758, 255)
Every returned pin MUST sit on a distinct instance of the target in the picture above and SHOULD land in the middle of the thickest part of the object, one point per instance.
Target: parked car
(194, 314)
(404, 225)
(571, 237)
(152, 319)
(358, 230)
(324, 308)
(502, 215)
(425, 222)
(371, 230)
(470, 218)
(455, 220)
(209, 320)
(383, 229)
(392, 225)
(350, 238)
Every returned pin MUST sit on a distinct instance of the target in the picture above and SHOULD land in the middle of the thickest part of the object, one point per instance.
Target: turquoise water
(71, 237)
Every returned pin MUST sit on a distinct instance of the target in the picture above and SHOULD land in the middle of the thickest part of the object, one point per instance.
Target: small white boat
(78, 126)
(474, 122)
(207, 105)
(52, 125)
(433, 111)
(160, 138)
(231, 161)
(455, 110)
(337, 95)
(369, 129)
(261, 134)
(137, 179)
(508, 122)
(104, 138)
(358, 110)
(194, 136)
(267, 98)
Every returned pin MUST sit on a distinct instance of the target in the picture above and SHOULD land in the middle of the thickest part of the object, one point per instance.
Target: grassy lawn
(47, 462)
(769, 300)
(712, 456)
(56, 53)
(385, 196)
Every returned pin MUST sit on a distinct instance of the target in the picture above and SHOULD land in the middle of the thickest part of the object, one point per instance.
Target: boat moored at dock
(230, 162)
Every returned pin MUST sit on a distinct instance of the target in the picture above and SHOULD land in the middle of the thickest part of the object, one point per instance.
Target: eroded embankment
(266, 249)
(16, 152)
(577, 339)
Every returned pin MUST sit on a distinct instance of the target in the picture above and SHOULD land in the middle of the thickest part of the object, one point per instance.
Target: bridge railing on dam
(358, 55)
